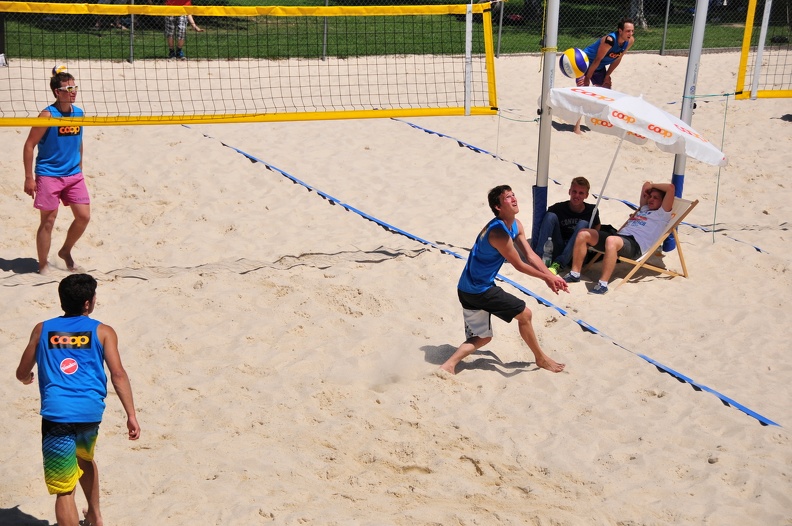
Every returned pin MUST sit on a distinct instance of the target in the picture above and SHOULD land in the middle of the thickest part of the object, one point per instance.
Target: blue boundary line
(524, 168)
(697, 386)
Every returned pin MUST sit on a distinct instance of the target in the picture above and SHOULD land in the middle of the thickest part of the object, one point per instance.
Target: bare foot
(450, 369)
(577, 130)
(66, 256)
(43, 269)
(443, 374)
(550, 365)
(89, 521)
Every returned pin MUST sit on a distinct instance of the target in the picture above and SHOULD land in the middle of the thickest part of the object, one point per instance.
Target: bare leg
(82, 215)
(612, 246)
(90, 486)
(585, 238)
(66, 510)
(529, 336)
(44, 238)
(577, 128)
(464, 350)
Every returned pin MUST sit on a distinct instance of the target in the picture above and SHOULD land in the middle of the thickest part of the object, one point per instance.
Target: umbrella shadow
(12, 516)
(19, 266)
(484, 361)
(787, 117)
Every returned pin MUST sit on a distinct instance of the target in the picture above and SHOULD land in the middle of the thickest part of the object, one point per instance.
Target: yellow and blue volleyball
(573, 63)
(59, 69)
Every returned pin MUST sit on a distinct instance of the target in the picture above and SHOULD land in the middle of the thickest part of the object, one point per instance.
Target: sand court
(282, 349)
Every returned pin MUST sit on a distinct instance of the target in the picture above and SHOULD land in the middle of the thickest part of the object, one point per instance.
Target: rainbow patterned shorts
(61, 446)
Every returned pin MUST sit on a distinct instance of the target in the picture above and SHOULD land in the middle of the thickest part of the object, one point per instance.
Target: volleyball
(573, 63)
(58, 69)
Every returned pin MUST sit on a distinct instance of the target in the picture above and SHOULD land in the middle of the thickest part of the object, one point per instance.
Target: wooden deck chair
(679, 211)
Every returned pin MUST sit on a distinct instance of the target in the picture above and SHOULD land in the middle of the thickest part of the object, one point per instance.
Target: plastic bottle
(547, 255)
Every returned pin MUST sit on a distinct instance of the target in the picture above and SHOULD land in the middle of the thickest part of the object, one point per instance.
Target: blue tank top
(59, 148)
(72, 379)
(615, 51)
(484, 261)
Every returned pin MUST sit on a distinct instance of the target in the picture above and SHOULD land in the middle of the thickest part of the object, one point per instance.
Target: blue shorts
(597, 79)
(61, 446)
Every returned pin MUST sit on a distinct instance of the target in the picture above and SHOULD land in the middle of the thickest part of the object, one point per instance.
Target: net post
(468, 56)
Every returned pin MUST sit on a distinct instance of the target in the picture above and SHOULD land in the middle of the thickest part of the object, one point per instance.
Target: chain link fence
(661, 25)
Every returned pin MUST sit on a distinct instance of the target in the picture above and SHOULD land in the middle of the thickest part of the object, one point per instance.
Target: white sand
(282, 351)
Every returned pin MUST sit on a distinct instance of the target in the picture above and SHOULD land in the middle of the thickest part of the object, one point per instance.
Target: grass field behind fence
(31, 35)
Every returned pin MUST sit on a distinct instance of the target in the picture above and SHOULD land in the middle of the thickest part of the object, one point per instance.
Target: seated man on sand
(641, 231)
(563, 221)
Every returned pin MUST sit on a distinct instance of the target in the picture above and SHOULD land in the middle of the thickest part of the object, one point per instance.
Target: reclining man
(643, 228)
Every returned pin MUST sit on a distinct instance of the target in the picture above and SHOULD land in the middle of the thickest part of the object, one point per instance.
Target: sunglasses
(69, 89)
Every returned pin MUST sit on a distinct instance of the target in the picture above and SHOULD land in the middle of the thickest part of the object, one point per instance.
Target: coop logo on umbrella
(599, 122)
(592, 94)
(629, 119)
(691, 133)
(660, 131)
(69, 340)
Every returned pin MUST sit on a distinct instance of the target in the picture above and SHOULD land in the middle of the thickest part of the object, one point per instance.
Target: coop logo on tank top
(69, 340)
(65, 131)
(69, 366)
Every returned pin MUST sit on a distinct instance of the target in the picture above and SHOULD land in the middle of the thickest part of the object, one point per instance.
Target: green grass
(74, 37)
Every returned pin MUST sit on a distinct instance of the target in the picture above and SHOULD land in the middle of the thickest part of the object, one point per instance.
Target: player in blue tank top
(502, 239)
(70, 352)
(58, 172)
(605, 55)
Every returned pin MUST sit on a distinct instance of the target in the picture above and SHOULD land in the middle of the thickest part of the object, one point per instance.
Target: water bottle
(547, 255)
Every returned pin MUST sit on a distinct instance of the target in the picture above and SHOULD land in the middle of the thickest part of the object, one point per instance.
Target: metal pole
(688, 96)
(132, 35)
(500, 3)
(468, 57)
(665, 27)
(3, 62)
(545, 116)
(324, 38)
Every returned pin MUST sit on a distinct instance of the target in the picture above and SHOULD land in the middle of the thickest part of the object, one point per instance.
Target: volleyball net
(250, 64)
(766, 59)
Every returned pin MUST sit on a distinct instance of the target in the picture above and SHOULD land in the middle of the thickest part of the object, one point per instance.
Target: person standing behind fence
(58, 173)
(605, 55)
(175, 30)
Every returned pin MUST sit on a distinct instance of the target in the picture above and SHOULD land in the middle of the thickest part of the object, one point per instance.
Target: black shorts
(631, 248)
(494, 300)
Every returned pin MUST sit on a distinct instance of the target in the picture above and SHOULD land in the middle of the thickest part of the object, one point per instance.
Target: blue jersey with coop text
(613, 53)
(59, 149)
(72, 379)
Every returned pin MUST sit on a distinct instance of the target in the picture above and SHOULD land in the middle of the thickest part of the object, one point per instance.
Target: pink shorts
(70, 189)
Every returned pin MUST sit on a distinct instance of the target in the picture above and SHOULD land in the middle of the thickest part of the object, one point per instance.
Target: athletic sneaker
(171, 54)
(569, 278)
(599, 289)
(180, 55)
(555, 268)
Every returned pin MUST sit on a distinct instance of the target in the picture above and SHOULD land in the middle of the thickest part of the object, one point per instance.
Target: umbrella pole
(599, 196)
